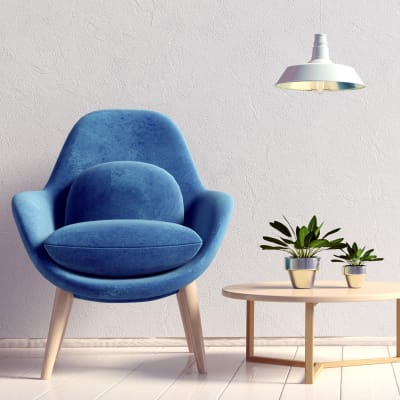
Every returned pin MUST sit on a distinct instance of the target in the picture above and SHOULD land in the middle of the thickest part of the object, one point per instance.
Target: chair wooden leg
(187, 297)
(185, 321)
(59, 319)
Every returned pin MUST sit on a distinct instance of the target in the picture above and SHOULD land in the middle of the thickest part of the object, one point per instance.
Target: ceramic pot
(302, 271)
(355, 275)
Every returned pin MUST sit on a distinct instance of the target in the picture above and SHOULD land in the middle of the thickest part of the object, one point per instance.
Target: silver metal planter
(302, 271)
(355, 275)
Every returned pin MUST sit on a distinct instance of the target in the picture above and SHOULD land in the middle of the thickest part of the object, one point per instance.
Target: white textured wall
(210, 65)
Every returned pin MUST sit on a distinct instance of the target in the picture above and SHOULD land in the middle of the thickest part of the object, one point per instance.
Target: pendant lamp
(320, 73)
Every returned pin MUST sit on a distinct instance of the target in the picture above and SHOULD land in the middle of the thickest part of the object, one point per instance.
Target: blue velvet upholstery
(122, 135)
(122, 248)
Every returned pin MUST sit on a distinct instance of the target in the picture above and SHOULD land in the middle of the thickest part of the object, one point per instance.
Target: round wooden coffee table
(322, 292)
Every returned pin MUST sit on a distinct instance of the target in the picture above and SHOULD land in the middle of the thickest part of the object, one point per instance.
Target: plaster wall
(211, 66)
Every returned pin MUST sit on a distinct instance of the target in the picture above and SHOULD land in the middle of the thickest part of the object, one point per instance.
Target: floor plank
(170, 373)
(98, 369)
(222, 364)
(99, 374)
(327, 385)
(19, 378)
(395, 366)
(255, 381)
(368, 382)
(152, 378)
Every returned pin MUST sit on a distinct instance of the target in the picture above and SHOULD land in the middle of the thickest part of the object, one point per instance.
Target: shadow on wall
(25, 297)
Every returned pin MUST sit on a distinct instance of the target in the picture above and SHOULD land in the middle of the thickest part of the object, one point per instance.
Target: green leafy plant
(355, 255)
(303, 242)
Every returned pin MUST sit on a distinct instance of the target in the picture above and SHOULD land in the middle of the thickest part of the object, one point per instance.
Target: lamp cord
(320, 16)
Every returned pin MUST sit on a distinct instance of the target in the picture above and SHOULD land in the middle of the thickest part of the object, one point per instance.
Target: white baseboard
(212, 342)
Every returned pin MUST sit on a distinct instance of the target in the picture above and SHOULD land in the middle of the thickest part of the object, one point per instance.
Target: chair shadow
(169, 366)
(29, 378)
(153, 367)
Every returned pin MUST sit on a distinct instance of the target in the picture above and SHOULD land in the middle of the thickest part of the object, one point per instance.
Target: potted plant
(355, 258)
(302, 244)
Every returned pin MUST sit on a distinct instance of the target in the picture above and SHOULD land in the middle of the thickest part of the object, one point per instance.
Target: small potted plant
(302, 244)
(354, 259)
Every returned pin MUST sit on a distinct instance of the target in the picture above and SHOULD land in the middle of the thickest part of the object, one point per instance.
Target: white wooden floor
(169, 373)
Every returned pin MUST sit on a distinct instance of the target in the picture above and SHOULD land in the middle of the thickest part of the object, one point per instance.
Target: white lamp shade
(320, 73)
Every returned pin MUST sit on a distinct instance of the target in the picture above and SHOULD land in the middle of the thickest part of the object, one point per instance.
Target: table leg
(397, 327)
(309, 343)
(250, 330)
(312, 369)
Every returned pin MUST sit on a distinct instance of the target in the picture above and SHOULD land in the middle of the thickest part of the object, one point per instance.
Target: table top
(322, 292)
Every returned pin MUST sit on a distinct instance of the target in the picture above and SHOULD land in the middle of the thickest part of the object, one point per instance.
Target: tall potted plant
(302, 244)
(355, 258)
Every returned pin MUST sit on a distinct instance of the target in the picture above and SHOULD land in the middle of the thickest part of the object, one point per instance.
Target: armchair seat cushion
(122, 248)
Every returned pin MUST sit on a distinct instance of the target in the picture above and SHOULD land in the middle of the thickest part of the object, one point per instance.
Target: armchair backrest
(123, 135)
(124, 190)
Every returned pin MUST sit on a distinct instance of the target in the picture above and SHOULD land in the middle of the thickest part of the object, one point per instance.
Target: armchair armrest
(209, 215)
(34, 215)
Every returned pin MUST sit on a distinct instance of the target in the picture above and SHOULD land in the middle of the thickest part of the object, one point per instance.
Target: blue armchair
(124, 217)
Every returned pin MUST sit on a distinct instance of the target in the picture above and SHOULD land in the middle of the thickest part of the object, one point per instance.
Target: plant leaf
(336, 244)
(318, 243)
(331, 232)
(281, 228)
(359, 253)
(303, 231)
(336, 241)
(276, 241)
(308, 239)
(287, 241)
(290, 226)
(353, 254)
(267, 247)
(368, 253)
(312, 224)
